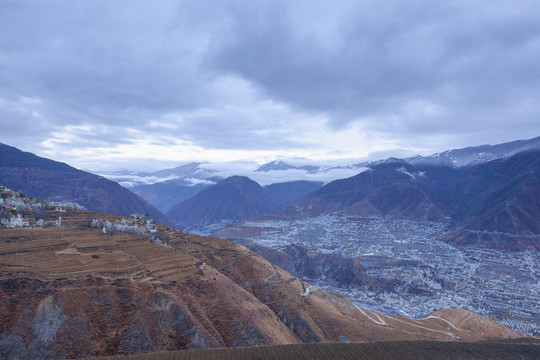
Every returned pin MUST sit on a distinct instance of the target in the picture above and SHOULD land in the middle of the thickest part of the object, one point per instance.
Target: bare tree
(89, 219)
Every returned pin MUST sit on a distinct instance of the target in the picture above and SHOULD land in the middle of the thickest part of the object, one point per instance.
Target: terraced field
(51, 254)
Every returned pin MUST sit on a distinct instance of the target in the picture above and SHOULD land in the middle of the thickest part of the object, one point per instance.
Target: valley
(397, 252)
(95, 288)
(421, 272)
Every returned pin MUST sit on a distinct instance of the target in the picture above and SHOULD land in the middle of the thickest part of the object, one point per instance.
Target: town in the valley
(430, 273)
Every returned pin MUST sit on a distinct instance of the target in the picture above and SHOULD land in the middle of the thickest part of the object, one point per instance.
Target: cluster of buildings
(429, 274)
(19, 210)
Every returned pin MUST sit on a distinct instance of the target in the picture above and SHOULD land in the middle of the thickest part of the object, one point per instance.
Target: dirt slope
(73, 291)
(403, 350)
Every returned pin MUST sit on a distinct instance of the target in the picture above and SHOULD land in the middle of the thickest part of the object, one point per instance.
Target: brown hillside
(73, 291)
(403, 350)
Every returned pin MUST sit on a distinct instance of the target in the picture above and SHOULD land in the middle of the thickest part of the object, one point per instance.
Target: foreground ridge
(357, 351)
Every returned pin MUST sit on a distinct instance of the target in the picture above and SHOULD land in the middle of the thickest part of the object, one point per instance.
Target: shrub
(89, 220)
(39, 213)
(129, 226)
(12, 222)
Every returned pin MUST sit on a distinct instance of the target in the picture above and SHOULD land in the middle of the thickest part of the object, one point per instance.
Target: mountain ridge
(48, 179)
(237, 198)
(493, 204)
(168, 187)
(474, 155)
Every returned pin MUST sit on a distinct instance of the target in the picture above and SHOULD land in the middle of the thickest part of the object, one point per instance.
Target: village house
(151, 228)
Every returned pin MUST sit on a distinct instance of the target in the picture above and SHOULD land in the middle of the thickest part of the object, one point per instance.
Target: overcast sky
(149, 84)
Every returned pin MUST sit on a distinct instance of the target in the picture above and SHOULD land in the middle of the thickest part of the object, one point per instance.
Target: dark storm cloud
(455, 54)
(103, 54)
(103, 62)
(260, 75)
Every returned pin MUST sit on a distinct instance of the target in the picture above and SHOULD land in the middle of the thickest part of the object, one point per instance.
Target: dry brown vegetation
(404, 350)
(73, 291)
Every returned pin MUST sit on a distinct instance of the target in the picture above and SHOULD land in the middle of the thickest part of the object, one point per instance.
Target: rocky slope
(47, 179)
(337, 270)
(75, 291)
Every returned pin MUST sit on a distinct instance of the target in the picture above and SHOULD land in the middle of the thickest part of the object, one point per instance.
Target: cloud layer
(116, 84)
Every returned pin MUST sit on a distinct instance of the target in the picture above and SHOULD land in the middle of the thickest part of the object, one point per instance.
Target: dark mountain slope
(393, 188)
(236, 198)
(164, 195)
(499, 203)
(478, 189)
(47, 179)
(494, 204)
(283, 194)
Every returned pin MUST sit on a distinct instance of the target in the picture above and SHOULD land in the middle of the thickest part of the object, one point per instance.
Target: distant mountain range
(494, 204)
(476, 155)
(235, 199)
(280, 165)
(47, 179)
(180, 183)
(489, 194)
(166, 188)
